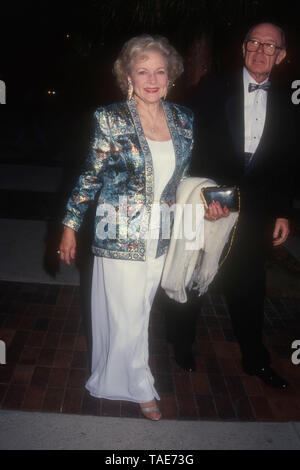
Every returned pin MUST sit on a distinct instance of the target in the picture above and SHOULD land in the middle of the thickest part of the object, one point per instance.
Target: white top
(255, 104)
(163, 159)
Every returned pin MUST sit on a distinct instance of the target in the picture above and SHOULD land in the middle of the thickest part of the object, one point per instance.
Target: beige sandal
(150, 409)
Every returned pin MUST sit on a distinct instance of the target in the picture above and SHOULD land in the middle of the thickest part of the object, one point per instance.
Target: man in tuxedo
(245, 136)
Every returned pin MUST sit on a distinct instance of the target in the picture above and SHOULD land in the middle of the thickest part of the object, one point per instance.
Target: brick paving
(46, 332)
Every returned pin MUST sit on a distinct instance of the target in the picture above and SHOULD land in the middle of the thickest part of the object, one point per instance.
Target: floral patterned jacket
(119, 170)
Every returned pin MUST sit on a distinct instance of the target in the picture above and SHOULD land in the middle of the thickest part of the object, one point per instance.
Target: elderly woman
(139, 153)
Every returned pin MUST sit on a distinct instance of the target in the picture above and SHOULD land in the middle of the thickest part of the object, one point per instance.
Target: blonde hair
(139, 45)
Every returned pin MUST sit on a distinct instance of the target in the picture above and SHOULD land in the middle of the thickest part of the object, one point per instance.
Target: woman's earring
(130, 91)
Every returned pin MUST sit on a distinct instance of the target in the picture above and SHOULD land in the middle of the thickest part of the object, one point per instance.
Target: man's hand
(215, 211)
(281, 231)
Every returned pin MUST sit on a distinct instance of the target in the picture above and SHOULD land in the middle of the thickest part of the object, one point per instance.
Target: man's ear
(244, 50)
(280, 57)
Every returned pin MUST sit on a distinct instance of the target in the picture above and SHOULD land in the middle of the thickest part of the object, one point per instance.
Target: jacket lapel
(234, 108)
(149, 179)
(179, 154)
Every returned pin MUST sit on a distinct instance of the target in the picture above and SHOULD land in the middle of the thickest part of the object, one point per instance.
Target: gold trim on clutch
(233, 230)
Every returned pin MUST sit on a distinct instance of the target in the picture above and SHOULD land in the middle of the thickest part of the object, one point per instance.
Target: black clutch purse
(226, 196)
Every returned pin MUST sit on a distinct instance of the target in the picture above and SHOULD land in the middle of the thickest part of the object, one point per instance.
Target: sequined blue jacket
(119, 168)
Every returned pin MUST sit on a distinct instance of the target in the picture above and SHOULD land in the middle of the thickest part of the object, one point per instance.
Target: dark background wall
(68, 47)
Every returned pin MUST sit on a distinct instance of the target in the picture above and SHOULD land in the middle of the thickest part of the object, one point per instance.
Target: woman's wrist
(68, 229)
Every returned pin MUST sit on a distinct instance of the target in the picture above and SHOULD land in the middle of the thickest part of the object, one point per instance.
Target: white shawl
(194, 261)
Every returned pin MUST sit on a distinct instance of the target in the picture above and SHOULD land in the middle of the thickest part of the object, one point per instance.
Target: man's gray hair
(283, 41)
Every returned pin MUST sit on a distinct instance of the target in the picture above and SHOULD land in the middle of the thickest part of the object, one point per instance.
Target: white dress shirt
(255, 104)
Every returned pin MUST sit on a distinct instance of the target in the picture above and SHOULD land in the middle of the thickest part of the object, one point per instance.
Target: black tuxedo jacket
(267, 186)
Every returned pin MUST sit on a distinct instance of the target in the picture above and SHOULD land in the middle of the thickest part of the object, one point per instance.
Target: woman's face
(149, 76)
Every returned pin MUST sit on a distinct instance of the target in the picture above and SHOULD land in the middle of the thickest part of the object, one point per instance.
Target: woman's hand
(67, 247)
(216, 211)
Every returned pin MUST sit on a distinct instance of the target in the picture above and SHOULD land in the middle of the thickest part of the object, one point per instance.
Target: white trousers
(122, 295)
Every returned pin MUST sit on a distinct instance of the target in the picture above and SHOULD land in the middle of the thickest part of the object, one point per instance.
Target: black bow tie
(254, 86)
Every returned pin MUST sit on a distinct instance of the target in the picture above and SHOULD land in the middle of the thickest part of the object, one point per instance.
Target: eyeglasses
(252, 45)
